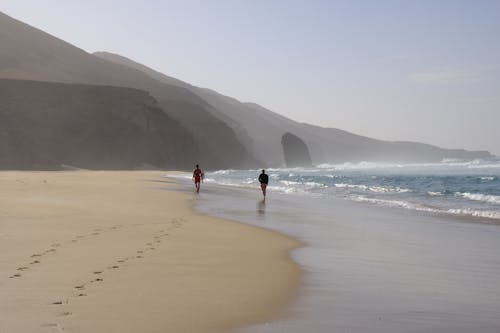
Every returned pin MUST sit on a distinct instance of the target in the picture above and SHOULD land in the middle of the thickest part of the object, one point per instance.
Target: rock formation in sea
(295, 151)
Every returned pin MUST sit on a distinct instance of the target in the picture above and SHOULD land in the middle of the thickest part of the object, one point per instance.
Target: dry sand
(116, 252)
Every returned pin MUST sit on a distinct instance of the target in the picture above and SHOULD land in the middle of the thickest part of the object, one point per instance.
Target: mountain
(49, 126)
(260, 131)
(214, 130)
(31, 54)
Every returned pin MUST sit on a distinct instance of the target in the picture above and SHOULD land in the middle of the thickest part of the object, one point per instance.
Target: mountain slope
(226, 132)
(260, 130)
(31, 54)
(48, 125)
(220, 110)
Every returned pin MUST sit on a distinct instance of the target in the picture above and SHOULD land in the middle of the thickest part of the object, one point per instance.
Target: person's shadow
(261, 207)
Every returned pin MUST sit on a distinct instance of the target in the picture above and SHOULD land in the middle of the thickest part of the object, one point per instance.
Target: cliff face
(295, 151)
(49, 125)
(27, 53)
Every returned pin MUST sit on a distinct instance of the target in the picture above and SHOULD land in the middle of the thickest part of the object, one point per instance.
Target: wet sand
(375, 269)
(117, 252)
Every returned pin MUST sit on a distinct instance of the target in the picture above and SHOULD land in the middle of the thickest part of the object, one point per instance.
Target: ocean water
(454, 187)
(387, 248)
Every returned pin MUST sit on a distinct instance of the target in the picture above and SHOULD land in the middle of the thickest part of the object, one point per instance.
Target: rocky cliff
(295, 151)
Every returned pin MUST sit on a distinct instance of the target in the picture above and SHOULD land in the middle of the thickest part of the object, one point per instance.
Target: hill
(261, 130)
(55, 125)
(224, 132)
(31, 54)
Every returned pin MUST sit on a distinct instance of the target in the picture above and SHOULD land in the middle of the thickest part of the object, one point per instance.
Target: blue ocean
(453, 187)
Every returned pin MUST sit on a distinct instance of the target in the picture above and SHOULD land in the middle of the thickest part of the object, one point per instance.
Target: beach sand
(117, 252)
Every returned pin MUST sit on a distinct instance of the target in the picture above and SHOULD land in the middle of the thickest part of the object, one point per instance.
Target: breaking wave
(456, 187)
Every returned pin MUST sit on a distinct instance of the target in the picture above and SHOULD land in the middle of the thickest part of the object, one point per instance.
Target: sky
(421, 70)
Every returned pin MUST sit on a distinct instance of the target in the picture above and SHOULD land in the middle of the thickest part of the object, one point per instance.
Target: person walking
(264, 180)
(197, 177)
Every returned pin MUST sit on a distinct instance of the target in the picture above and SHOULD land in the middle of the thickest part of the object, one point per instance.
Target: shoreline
(119, 251)
(375, 269)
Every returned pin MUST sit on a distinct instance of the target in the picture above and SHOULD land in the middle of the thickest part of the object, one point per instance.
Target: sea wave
(418, 207)
(445, 163)
(376, 189)
(476, 213)
(494, 199)
(391, 203)
(443, 190)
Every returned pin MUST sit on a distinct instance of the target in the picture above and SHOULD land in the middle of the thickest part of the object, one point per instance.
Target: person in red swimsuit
(197, 177)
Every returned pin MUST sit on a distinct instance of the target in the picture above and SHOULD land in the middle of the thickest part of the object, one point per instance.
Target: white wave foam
(376, 189)
(311, 185)
(494, 199)
(183, 175)
(222, 172)
(434, 194)
(488, 178)
(455, 163)
(289, 182)
(408, 205)
(389, 203)
(476, 213)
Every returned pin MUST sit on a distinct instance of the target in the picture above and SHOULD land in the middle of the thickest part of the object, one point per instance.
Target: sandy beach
(117, 252)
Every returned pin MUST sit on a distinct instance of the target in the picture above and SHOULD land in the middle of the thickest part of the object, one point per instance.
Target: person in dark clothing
(264, 180)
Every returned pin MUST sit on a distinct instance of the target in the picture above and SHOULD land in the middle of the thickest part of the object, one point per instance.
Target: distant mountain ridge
(214, 130)
(260, 130)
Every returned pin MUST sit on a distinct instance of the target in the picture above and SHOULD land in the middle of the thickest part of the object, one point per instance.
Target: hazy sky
(416, 70)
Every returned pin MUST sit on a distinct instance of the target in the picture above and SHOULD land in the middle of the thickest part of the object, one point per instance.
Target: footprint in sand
(22, 268)
(114, 267)
(121, 261)
(80, 287)
(81, 295)
(34, 262)
(138, 257)
(15, 276)
(36, 255)
(98, 272)
(140, 251)
(52, 325)
(97, 280)
(65, 314)
(57, 303)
